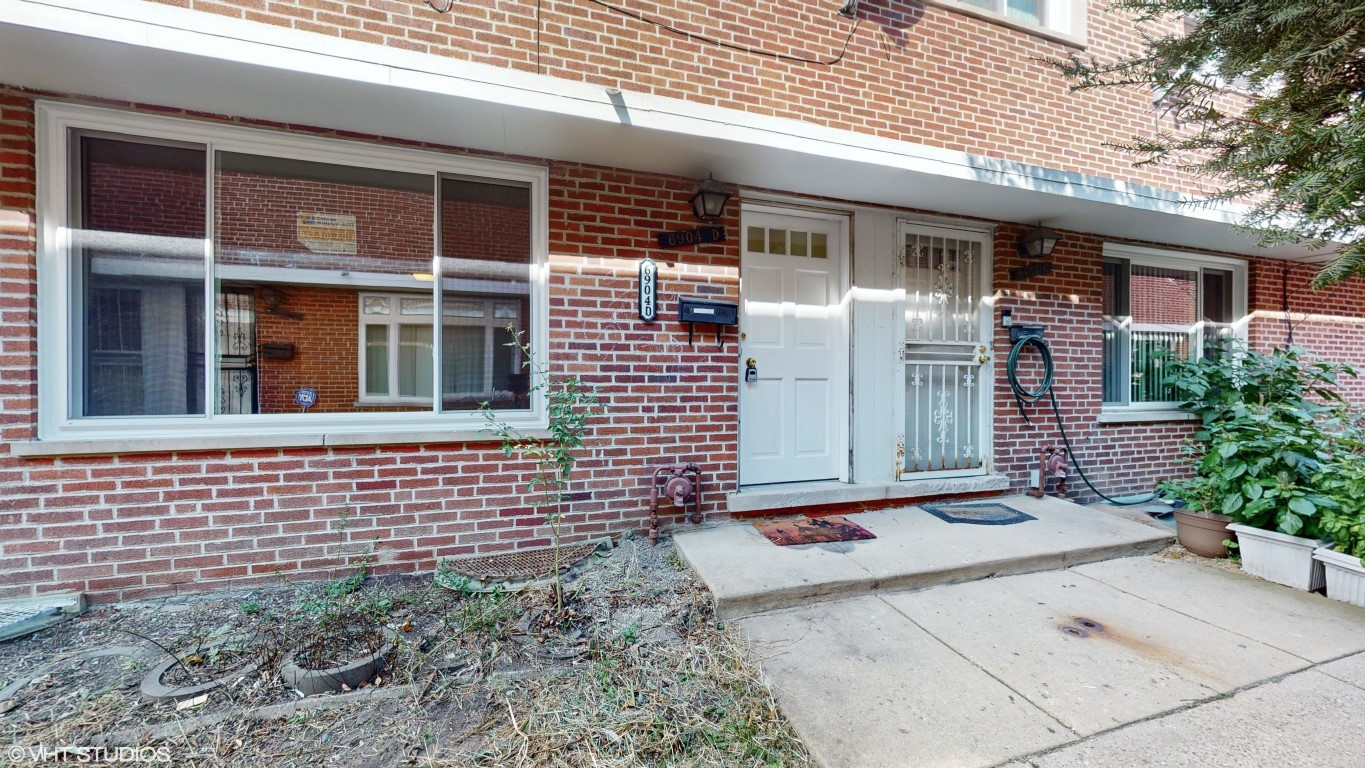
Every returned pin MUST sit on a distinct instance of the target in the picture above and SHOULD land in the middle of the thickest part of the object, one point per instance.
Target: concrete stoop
(748, 574)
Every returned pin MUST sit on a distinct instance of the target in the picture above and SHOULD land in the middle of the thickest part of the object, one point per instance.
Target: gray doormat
(977, 514)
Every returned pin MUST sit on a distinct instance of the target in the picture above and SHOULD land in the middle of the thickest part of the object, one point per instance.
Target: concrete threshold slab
(793, 496)
(748, 574)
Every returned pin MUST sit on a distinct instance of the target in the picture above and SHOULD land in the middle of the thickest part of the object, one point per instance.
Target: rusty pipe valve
(681, 484)
(1052, 463)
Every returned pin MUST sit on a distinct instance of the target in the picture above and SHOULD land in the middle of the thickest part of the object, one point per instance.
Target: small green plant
(1343, 480)
(250, 607)
(570, 404)
(1267, 430)
(630, 634)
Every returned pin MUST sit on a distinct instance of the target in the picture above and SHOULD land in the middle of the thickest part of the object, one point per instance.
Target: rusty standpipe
(681, 483)
(1053, 462)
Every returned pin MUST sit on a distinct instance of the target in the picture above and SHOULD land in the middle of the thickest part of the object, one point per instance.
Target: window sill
(1131, 416)
(33, 449)
(1065, 38)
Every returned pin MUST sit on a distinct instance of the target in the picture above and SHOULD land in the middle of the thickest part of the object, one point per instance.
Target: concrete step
(748, 574)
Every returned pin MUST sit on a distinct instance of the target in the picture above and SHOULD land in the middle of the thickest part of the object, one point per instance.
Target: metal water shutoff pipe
(682, 484)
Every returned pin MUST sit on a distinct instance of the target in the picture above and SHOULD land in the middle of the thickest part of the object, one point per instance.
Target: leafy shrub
(1343, 480)
(1269, 425)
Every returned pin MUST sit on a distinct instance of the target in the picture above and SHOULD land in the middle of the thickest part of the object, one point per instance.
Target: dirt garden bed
(637, 672)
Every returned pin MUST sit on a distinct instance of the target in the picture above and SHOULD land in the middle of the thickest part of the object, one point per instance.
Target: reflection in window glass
(377, 360)
(1028, 11)
(307, 240)
(819, 245)
(138, 244)
(756, 242)
(1153, 313)
(414, 361)
(486, 288)
(777, 241)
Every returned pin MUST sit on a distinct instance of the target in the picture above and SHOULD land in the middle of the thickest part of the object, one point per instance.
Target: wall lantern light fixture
(708, 202)
(850, 9)
(1039, 242)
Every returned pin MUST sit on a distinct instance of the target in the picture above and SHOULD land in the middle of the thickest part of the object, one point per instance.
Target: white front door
(794, 413)
(946, 354)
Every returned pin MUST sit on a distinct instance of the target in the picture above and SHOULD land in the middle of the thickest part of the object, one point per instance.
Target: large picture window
(257, 282)
(1157, 306)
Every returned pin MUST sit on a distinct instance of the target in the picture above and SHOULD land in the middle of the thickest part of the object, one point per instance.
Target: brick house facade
(915, 143)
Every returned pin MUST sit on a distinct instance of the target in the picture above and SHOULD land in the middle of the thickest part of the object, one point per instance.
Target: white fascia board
(194, 33)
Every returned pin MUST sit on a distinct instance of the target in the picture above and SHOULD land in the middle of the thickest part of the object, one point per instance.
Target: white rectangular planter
(1280, 558)
(1345, 575)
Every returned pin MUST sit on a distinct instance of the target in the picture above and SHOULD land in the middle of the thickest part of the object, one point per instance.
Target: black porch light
(708, 202)
(1039, 242)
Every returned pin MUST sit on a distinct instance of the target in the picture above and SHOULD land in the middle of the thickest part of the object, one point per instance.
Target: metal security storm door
(945, 353)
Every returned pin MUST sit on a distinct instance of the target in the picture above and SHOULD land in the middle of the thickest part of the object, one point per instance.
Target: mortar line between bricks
(1189, 706)
(984, 671)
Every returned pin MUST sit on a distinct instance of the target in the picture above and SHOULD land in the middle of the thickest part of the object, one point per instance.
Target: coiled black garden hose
(1044, 389)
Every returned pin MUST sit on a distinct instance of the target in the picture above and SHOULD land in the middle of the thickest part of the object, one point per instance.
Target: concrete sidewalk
(747, 573)
(1126, 662)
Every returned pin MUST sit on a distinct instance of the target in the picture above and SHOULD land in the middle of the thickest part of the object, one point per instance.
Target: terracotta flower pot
(1203, 533)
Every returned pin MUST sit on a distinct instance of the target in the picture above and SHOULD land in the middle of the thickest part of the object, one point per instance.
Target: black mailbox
(692, 310)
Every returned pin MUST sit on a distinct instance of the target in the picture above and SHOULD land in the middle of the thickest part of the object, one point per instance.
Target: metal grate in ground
(23, 618)
(522, 564)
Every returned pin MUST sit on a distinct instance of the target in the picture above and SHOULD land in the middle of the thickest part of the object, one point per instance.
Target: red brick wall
(258, 224)
(1161, 298)
(912, 72)
(1120, 459)
(138, 524)
(1329, 324)
(119, 197)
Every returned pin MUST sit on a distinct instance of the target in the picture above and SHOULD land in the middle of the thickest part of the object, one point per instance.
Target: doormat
(977, 514)
(807, 530)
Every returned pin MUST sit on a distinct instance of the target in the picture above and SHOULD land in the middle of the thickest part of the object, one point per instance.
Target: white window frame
(1064, 21)
(1154, 257)
(490, 324)
(58, 333)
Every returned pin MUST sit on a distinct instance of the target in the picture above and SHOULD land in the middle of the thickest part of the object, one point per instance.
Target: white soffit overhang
(148, 53)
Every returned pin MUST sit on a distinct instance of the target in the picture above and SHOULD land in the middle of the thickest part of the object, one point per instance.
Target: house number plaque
(688, 237)
(649, 290)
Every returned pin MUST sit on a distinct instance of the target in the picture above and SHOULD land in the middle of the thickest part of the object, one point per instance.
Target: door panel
(792, 418)
(946, 354)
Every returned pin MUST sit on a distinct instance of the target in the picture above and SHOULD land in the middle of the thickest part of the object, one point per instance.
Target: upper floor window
(200, 279)
(1159, 305)
(1062, 20)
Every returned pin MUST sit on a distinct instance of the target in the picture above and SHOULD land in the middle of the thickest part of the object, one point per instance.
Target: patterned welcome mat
(977, 514)
(812, 530)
